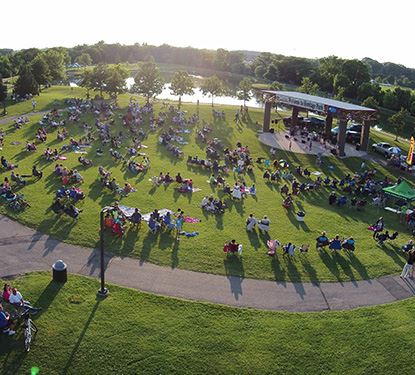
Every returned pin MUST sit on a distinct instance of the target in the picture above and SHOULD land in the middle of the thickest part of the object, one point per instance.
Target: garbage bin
(300, 216)
(357, 146)
(60, 274)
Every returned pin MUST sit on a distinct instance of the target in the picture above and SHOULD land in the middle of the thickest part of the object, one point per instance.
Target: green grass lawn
(137, 333)
(204, 252)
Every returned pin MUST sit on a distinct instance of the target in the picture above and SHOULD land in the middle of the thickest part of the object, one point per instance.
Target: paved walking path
(24, 250)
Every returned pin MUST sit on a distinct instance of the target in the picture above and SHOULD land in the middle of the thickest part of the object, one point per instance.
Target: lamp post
(103, 291)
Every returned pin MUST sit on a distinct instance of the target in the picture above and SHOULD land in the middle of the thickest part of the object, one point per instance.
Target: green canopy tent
(402, 191)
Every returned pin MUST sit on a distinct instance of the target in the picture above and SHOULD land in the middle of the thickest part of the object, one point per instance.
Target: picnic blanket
(191, 220)
(188, 234)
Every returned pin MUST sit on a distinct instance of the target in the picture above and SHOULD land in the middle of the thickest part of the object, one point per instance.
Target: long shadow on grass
(81, 337)
(48, 295)
(235, 273)
(149, 241)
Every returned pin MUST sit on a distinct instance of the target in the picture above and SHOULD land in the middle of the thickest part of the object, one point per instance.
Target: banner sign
(303, 103)
(411, 152)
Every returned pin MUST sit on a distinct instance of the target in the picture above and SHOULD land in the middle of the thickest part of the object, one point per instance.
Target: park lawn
(204, 252)
(131, 332)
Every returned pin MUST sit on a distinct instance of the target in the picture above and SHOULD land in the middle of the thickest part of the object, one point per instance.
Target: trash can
(357, 146)
(60, 274)
(300, 216)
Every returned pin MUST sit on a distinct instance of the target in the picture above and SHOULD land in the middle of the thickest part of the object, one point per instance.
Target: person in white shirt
(16, 299)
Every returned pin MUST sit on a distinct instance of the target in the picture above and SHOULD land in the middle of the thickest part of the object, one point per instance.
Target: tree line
(355, 80)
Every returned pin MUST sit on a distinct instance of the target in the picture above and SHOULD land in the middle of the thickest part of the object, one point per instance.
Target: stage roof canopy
(318, 104)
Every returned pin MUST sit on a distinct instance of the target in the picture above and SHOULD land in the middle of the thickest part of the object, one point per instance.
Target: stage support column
(267, 116)
(341, 136)
(364, 136)
(329, 124)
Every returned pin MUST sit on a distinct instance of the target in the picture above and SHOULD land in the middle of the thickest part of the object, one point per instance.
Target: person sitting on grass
(266, 175)
(167, 221)
(231, 247)
(57, 206)
(378, 227)
(179, 178)
(8, 166)
(394, 236)
(15, 177)
(332, 198)
(7, 290)
(349, 244)
(108, 221)
(284, 189)
(264, 223)
(335, 243)
(85, 162)
(408, 246)
(289, 249)
(322, 241)
(250, 223)
(72, 211)
(212, 180)
(17, 300)
(36, 172)
(6, 323)
(77, 176)
(113, 185)
(136, 217)
(153, 225)
(127, 188)
(381, 237)
(30, 146)
(167, 178)
(341, 201)
(288, 201)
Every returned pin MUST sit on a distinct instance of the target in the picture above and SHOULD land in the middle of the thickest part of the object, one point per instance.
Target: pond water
(198, 95)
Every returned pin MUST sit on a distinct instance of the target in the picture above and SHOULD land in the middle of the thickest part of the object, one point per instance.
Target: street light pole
(103, 291)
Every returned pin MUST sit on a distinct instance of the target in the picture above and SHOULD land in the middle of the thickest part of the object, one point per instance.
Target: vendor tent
(402, 191)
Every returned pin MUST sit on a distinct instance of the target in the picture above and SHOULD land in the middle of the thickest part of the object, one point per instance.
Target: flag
(411, 151)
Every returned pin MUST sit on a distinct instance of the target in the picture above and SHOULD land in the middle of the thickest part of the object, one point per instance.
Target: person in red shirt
(7, 290)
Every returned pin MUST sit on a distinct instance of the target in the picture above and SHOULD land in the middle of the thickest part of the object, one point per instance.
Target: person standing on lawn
(408, 267)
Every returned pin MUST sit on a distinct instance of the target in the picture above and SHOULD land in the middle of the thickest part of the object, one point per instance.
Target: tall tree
(370, 102)
(99, 78)
(26, 83)
(244, 93)
(56, 63)
(212, 86)
(399, 120)
(87, 81)
(40, 70)
(116, 81)
(148, 81)
(308, 86)
(3, 95)
(84, 59)
(181, 84)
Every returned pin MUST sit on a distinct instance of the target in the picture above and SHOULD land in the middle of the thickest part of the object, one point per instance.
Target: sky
(350, 29)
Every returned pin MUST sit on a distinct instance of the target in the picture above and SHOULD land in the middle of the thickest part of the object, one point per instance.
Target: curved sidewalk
(24, 250)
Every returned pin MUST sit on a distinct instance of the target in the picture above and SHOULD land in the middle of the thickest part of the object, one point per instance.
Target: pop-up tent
(402, 191)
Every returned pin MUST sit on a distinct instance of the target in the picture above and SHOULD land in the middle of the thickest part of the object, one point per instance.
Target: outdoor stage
(280, 142)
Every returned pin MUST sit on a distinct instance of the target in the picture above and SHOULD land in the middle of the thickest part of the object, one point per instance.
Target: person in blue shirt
(5, 322)
(349, 244)
(321, 241)
(335, 243)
